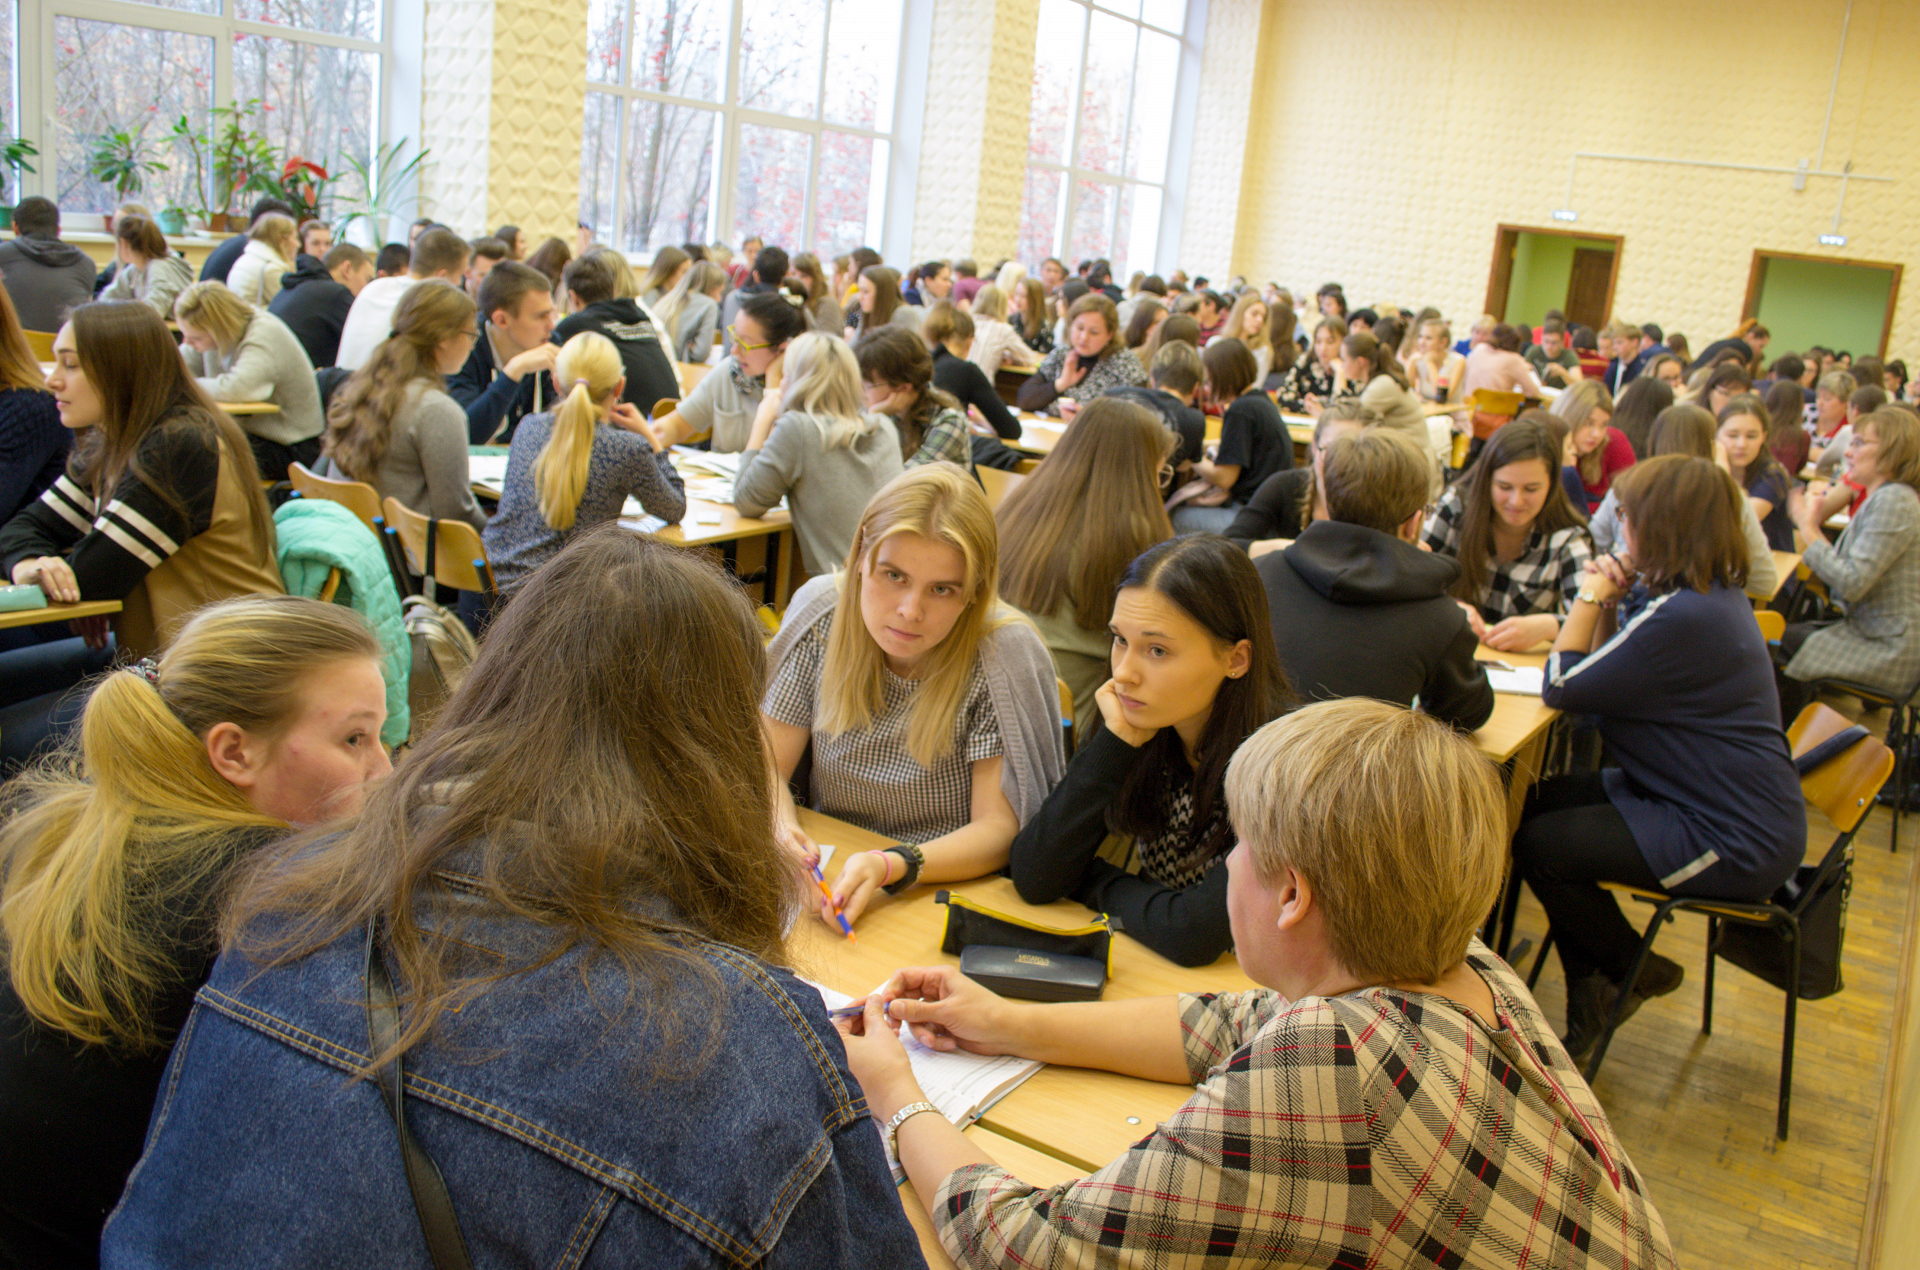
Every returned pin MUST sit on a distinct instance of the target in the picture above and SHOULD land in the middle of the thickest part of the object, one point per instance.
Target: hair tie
(148, 669)
(792, 299)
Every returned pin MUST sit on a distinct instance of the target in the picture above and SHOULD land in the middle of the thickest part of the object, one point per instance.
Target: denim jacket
(539, 1100)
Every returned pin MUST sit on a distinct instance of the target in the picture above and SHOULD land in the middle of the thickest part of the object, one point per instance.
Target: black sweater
(33, 447)
(1359, 613)
(970, 384)
(315, 308)
(643, 358)
(1056, 854)
(1274, 509)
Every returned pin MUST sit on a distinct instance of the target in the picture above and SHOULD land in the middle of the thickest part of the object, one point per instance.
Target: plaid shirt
(946, 441)
(1382, 1128)
(1544, 579)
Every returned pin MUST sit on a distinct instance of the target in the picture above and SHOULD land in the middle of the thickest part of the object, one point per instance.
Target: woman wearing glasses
(1100, 490)
(725, 401)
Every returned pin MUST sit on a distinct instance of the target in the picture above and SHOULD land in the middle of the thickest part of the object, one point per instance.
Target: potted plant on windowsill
(14, 152)
(241, 160)
(193, 142)
(121, 159)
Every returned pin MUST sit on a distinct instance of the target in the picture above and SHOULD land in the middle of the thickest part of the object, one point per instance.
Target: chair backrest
(997, 483)
(665, 406)
(1772, 625)
(1815, 724)
(1496, 403)
(690, 373)
(1066, 706)
(1843, 788)
(459, 557)
(41, 342)
(356, 496)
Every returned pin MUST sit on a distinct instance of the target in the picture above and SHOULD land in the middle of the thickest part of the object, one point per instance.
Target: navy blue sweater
(33, 447)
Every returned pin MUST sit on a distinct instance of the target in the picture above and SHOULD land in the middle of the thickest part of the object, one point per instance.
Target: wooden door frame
(1499, 278)
(1750, 303)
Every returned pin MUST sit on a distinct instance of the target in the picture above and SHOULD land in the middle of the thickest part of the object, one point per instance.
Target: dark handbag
(431, 1203)
(1764, 951)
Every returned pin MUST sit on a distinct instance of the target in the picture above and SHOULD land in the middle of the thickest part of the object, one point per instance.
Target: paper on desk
(489, 470)
(963, 1086)
(1522, 680)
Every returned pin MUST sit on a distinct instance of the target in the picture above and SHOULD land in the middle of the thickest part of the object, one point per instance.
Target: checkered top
(1544, 579)
(1161, 854)
(1382, 1128)
(866, 776)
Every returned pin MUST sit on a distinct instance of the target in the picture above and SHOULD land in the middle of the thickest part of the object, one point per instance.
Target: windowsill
(94, 236)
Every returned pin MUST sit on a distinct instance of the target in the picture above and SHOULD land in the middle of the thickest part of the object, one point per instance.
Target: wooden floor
(1696, 1113)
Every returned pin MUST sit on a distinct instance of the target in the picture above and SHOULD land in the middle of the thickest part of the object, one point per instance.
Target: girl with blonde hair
(1251, 322)
(240, 352)
(575, 466)
(393, 425)
(816, 444)
(995, 342)
(931, 712)
(263, 713)
(272, 244)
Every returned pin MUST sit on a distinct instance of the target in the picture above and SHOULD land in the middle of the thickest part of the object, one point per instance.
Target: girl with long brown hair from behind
(1068, 531)
(263, 713)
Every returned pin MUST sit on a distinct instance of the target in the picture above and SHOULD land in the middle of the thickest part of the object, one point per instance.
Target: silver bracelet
(900, 1117)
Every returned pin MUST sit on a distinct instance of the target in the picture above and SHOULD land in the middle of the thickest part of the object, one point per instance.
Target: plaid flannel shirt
(1378, 1129)
(1544, 579)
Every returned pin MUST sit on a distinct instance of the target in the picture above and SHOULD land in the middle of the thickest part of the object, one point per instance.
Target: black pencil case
(1032, 975)
(970, 924)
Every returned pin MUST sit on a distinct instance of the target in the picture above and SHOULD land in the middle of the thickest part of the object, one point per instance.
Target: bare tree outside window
(108, 77)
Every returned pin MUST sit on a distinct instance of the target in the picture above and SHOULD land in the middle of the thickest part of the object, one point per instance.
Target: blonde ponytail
(591, 364)
(111, 843)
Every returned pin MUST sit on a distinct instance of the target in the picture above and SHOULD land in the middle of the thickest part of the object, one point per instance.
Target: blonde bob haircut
(990, 302)
(213, 308)
(589, 372)
(278, 231)
(940, 503)
(1396, 821)
(131, 822)
(823, 383)
(1896, 430)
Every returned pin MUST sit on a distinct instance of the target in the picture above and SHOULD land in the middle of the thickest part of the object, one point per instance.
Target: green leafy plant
(383, 181)
(241, 159)
(121, 159)
(194, 142)
(302, 184)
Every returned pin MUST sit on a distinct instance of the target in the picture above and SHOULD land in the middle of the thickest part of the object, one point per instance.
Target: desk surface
(1038, 434)
(1786, 564)
(1517, 719)
(58, 613)
(231, 407)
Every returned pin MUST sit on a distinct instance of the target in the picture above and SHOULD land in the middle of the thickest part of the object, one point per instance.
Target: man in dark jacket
(1176, 376)
(590, 283)
(507, 376)
(45, 278)
(316, 296)
(221, 259)
(1358, 610)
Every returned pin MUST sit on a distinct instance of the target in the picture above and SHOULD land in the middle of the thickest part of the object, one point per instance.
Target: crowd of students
(607, 809)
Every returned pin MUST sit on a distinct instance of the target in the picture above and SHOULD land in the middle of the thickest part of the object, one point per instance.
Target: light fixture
(1833, 240)
(1566, 213)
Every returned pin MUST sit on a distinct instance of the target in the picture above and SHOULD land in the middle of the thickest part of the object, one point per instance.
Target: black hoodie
(1359, 613)
(46, 280)
(314, 307)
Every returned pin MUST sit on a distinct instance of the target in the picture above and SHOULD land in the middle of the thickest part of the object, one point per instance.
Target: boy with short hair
(506, 376)
(438, 253)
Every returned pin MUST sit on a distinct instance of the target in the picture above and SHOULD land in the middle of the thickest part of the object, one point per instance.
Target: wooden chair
(1902, 727)
(1842, 788)
(363, 501)
(455, 557)
(1772, 625)
(998, 483)
(665, 406)
(1491, 410)
(1066, 707)
(690, 373)
(41, 342)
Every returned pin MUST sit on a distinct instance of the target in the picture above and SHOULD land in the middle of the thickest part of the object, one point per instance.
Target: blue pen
(820, 880)
(847, 1012)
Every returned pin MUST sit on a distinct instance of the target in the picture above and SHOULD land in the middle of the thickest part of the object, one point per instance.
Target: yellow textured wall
(1389, 137)
(538, 107)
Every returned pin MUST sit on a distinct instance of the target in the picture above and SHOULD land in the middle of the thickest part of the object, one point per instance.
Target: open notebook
(962, 1085)
(1525, 681)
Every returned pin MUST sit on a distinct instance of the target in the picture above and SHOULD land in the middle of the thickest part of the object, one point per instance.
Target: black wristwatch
(914, 858)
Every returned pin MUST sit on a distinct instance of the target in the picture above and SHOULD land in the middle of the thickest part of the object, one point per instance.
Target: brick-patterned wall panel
(539, 102)
(457, 89)
(947, 194)
(1390, 137)
(1228, 84)
(1004, 123)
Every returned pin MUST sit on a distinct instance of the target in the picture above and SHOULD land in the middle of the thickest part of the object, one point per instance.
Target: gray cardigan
(425, 466)
(1020, 680)
(826, 488)
(268, 364)
(1874, 573)
(159, 283)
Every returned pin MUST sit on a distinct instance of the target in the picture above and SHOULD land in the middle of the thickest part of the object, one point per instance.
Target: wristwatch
(1595, 600)
(914, 858)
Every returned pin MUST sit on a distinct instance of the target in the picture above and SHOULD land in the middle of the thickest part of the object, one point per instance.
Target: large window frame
(34, 72)
(732, 116)
(1072, 175)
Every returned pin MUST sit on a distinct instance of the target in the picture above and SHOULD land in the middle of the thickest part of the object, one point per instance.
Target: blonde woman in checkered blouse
(1393, 1097)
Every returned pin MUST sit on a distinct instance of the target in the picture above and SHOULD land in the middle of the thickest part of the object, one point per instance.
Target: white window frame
(1179, 140)
(720, 200)
(34, 54)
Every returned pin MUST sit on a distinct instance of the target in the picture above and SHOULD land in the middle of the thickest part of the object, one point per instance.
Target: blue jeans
(1188, 519)
(43, 689)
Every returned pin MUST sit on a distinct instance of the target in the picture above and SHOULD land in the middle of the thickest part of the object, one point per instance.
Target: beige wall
(1388, 139)
(973, 147)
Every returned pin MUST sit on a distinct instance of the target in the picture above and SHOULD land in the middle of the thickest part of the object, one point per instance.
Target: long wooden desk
(58, 613)
(1038, 434)
(1517, 731)
(231, 407)
(1786, 566)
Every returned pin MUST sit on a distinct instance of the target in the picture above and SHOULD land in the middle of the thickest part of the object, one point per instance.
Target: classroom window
(143, 69)
(1104, 81)
(772, 119)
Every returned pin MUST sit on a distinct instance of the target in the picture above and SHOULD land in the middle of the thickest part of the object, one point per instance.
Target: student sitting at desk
(1742, 435)
(571, 895)
(1310, 380)
(594, 303)
(112, 880)
(1194, 673)
(242, 353)
(1091, 361)
(1520, 544)
(898, 373)
(1068, 532)
(932, 714)
(1254, 443)
(394, 427)
(575, 468)
(1705, 800)
(723, 404)
(1288, 501)
(1329, 1127)
(949, 334)
(816, 445)
(1357, 609)
(1596, 452)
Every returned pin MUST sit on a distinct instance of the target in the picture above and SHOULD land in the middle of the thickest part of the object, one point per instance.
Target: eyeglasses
(744, 346)
(1166, 475)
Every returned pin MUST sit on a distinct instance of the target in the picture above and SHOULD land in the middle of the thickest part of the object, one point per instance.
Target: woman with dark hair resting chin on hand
(1329, 1124)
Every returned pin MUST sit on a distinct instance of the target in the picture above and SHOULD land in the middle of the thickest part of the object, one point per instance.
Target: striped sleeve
(48, 526)
(139, 527)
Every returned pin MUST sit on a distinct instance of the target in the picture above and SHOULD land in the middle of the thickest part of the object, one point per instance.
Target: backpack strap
(432, 586)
